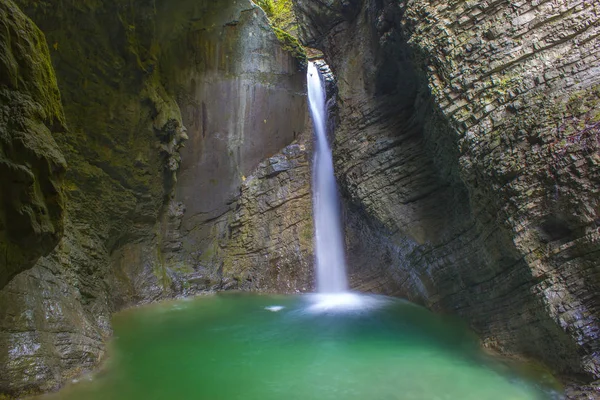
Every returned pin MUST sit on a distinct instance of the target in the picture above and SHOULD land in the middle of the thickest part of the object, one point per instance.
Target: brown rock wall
(265, 241)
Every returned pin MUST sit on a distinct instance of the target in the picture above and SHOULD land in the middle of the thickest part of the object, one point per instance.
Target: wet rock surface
(468, 133)
(123, 134)
(466, 146)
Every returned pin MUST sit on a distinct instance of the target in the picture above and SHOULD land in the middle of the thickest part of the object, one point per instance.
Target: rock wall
(31, 164)
(131, 76)
(242, 100)
(265, 241)
(468, 134)
(54, 318)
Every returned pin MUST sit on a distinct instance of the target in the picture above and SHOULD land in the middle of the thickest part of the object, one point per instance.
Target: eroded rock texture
(31, 164)
(55, 317)
(469, 132)
(243, 100)
(131, 75)
(265, 241)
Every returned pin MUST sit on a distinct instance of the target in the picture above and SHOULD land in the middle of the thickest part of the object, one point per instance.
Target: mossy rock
(292, 45)
(31, 165)
(283, 22)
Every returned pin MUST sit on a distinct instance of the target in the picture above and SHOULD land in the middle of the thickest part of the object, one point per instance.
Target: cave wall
(131, 77)
(467, 146)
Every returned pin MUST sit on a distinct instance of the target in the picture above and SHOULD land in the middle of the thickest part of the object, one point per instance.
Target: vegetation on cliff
(283, 20)
(121, 148)
(281, 14)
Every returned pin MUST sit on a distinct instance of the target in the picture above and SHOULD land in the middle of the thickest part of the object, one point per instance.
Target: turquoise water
(259, 347)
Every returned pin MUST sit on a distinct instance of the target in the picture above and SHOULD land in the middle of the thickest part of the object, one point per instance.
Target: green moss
(182, 267)
(292, 45)
(306, 235)
(307, 232)
(31, 163)
(160, 271)
(581, 102)
(283, 20)
(267, 6)
(209, 253)
(283, 16)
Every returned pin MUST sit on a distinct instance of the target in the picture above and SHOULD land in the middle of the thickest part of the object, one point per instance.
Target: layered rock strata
(469, 132)
(264, 241)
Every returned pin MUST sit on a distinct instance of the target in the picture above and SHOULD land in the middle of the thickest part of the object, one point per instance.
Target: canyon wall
(54, 317)
(170, 156)
(467, 148)
(131, 78)
(31, 164)
(242, 100)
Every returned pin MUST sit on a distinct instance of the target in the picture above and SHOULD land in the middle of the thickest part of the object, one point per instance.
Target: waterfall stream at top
(329, 244)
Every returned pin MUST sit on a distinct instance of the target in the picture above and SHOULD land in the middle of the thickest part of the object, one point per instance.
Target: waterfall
(329, 243)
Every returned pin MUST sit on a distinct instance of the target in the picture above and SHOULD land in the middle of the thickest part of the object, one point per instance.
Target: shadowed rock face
(131, 76)
(55, 316)
(31, 164)
(468, 132)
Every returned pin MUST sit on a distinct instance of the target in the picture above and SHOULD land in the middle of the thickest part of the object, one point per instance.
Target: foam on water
(274, 308)
(344, 302)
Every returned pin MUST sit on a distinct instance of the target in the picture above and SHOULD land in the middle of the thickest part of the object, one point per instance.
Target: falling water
(331, 266)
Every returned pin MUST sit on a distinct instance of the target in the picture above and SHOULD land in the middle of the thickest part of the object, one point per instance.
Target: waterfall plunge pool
(306, 347)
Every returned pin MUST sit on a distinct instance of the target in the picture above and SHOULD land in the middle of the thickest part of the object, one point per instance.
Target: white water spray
(329, 244)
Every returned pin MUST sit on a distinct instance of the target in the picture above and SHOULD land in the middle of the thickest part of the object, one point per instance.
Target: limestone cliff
(265, 240)
(468, 131)
(131, 76)
(242, 98)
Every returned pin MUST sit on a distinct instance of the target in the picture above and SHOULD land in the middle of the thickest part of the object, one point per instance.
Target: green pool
(264, 347)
